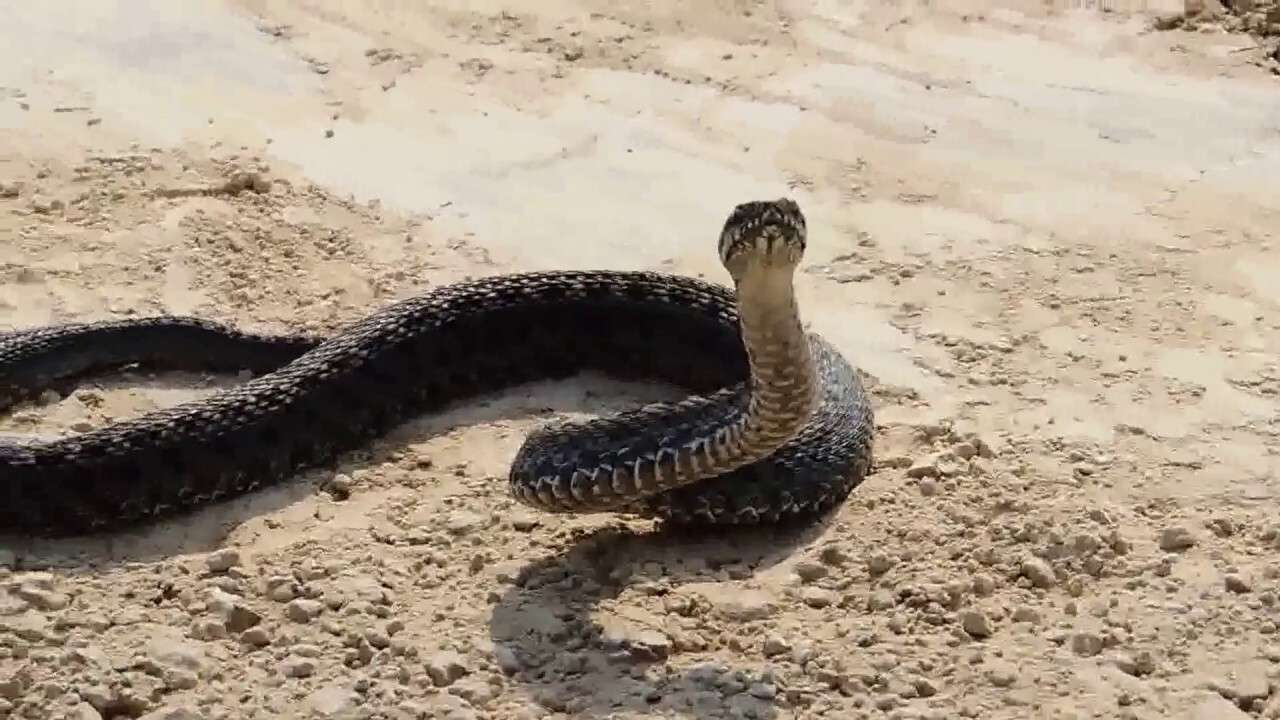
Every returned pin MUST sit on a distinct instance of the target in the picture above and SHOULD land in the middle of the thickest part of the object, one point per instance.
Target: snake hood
(765, 233)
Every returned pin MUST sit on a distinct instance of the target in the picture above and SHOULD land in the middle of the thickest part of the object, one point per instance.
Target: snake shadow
(207, 528)
(199, 530)
(548, 620)
(662, 650)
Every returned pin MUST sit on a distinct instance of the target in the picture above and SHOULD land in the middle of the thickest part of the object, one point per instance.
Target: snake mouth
(768, 232)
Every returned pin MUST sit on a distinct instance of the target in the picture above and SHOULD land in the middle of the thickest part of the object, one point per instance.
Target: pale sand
(1049, 234)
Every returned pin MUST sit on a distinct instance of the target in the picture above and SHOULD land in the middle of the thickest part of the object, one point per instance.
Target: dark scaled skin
(321, 397)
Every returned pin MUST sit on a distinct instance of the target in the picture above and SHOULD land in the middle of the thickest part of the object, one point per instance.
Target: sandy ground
(1049, 238)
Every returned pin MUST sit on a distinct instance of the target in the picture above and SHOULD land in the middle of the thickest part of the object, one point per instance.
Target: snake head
(763, 234)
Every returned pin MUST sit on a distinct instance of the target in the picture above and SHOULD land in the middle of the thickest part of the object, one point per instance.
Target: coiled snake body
(778, 426)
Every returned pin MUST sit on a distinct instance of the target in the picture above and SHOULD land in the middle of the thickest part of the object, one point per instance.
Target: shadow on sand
(546, 621)
(577, 655)
(206, 528)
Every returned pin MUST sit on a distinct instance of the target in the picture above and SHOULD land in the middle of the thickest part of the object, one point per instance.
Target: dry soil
(1047, 235)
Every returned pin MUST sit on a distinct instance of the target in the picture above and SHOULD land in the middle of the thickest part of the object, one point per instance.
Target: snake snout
(770, 232)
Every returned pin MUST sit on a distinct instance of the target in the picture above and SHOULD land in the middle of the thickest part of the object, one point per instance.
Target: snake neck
(662, 446)
(783, 377)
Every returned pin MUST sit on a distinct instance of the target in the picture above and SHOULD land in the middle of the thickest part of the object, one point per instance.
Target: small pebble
(303, 610)
(12, 688)
(445, 667)
(810, 571)
(1038, 572)
(461, 522)
(1086, 644)
(1222, 527)
(739, 604)
(236, 616)
(775, 645)
(1237, 584)
(880, 563)
(976, 624)
(223, 560)
(816, 597)
(524, 522)
(924, 686)
(983, 585)
(256, 636)
(881, 600)
(834, 555)
(339, 486)
(1026, 613)
(922, 469)
(282, 593)
(298, 667)
(1137, 664)
(1176, 537)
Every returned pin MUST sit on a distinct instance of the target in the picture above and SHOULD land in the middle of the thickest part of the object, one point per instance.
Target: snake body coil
(778, 426)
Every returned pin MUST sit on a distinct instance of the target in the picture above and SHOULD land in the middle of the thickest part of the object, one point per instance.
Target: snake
(776, 424)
